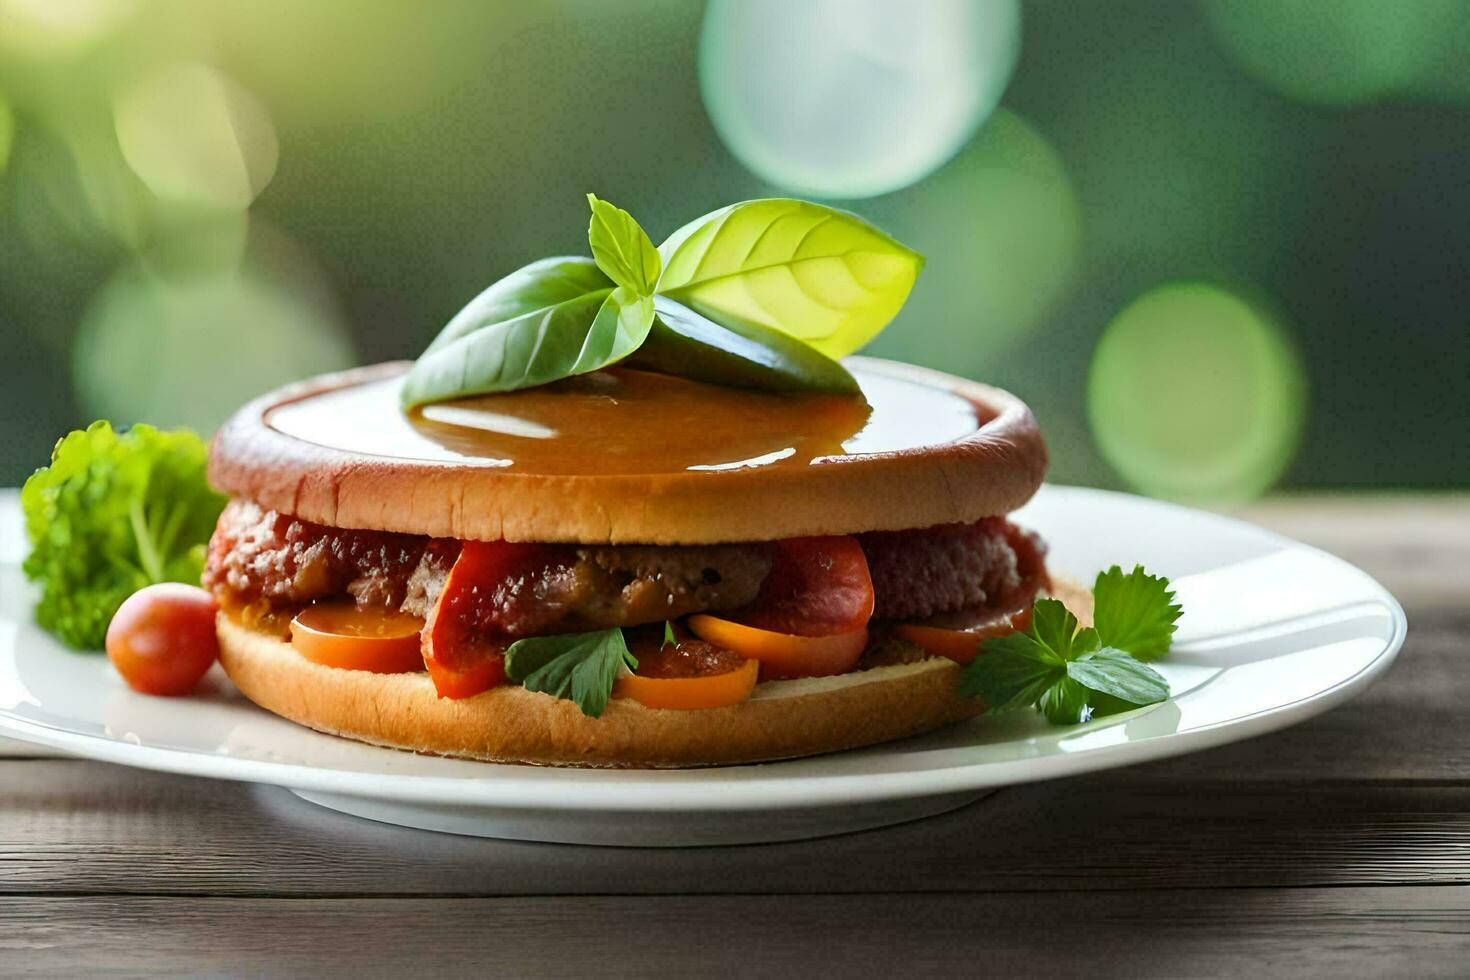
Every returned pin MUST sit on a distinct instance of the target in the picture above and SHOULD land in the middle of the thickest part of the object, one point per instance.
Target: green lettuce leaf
(114, 511)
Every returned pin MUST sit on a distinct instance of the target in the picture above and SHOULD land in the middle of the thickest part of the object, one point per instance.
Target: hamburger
(716, 546)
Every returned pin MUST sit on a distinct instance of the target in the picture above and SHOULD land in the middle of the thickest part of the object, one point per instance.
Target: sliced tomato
(341, 635)
(816, 587)
(962, 645)
(784, 655)
(462, 661)
(467, 678)
(706, 691)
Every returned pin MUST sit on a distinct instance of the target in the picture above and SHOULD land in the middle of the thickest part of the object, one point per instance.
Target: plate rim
(658, 792)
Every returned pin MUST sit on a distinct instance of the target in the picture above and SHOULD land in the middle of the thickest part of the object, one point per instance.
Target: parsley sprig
(578, 667)
(1070, 672)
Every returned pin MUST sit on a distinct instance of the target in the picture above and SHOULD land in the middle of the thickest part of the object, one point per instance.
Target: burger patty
(264, 560)
(261, 557)
(919, 574)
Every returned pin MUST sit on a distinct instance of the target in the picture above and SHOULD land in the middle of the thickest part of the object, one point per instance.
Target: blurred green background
(1219, 247)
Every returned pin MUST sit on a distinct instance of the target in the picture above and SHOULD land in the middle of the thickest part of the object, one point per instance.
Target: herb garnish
(1069, 672)
(818, 274)
(580, 667)
(114, 511)
(764, 294)
(1135, 612)
(622, 249)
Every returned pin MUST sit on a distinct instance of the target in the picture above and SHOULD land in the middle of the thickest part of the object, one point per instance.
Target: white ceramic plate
(1273, 632)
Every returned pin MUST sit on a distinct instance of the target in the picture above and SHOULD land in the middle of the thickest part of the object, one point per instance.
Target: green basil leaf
(621, 247)
(538, 286)
(821, 275)
(1135, 612)
(1114, 672)
(737, 353)
(620, 328)
(574, 332)
(578, 667)
(1012, 672)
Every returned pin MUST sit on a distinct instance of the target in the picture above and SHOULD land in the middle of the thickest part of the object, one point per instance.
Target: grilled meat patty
(261, 559)
(923, 573)
(260, 556)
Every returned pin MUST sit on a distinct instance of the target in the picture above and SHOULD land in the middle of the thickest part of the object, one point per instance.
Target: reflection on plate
(1273, 632)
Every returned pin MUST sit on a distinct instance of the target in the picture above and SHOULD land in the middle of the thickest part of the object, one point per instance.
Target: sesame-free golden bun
(363, 481)
(783, 719)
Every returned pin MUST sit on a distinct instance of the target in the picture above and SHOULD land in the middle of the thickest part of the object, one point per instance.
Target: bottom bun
(781, 720)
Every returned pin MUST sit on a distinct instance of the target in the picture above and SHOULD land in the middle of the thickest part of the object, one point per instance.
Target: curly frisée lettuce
(114, 511)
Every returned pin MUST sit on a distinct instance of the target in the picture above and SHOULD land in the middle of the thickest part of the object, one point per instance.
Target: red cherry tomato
(817, 587)
(341, 635)
(162, 640)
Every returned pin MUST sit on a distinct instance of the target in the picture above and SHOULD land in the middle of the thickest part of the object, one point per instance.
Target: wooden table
(1341, 846)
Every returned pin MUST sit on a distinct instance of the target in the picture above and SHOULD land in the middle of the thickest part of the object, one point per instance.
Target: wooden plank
(1329, 932)
(69, 827)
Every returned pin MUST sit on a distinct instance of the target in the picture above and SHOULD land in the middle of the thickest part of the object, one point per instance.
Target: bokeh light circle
(7, 133)
(853, 98)
(1001, 230)
(58, 28)
(1196, 394)
(1347, 52)
(339, 62)
(193, 134)
(190, 242)
(70, 200)
(191, 352)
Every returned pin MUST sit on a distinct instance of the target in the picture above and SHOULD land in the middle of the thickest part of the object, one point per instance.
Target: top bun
(635, 458)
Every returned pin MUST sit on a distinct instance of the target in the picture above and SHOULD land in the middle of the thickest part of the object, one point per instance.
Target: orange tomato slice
(784, 655)
(709, 691)
(962, 645)
(341, 635)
